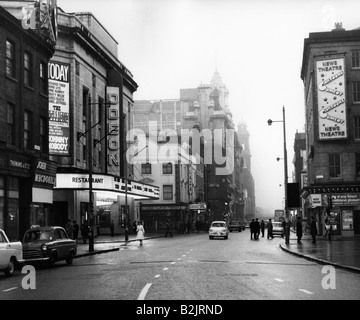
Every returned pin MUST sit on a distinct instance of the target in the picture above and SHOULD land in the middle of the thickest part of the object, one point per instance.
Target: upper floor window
(146, 168)
(28, 69)
(85, 100)
(77, 67)
(10, 59)
(94, 81)
(27, 129)
(167, 168)
(334, 165)
(357, 128)
(43, 135)
(355, 59)
(10, 123)
(356, 91)
(43, 78)
(167, 192)
(357, 164)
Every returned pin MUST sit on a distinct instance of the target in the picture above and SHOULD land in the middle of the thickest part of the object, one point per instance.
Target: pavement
(342, 253)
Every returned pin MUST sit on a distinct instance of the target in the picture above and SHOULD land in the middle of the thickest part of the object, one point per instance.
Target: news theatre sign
(59, 92)
(330, 76)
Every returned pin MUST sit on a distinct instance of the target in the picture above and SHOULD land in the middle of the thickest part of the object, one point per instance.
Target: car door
(65, 244)
(4, 251)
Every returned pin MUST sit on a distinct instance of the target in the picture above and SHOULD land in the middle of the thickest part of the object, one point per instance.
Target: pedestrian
(262, 227)
(270, 230)
(85, 231)
(112, 226)
(313, 229)
(69, 229)
(256, 229)
(252, 225)
(76, 230)
(134, 227)
(168, 229)
(327, 228)
(140, 232)
(305, 226)
(299, 230)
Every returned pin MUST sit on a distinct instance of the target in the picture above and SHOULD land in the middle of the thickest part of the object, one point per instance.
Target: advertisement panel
(331, 83)
(59, 108)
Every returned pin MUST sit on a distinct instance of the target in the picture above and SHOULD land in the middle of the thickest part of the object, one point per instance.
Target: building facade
(27, 174)
(331, 76)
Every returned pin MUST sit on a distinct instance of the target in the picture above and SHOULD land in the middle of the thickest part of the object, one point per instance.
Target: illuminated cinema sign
(59, 108)
(331, 98)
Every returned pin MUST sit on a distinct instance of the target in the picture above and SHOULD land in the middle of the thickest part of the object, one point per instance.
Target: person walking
(299, 230)
(112, 226)
(76, 230)
(270, 230)
(69, 229)
(313, 229)
(262, 227)
(252, 226)
(140, 232)
(168, 229)
(305, 226)
(327, 228)
(256, 229)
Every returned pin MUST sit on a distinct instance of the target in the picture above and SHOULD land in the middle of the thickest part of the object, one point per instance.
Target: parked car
(236, 226)
(48, 244)
(278, 229)
(11, 254)
(218, 229)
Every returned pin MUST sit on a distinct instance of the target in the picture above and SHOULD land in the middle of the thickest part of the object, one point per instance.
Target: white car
(11, 254)
(218, 229)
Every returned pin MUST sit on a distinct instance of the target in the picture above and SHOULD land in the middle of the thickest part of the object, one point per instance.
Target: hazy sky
(256, 45)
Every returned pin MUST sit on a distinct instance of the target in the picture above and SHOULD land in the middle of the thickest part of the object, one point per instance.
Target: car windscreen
(218, 225)
(36, 235)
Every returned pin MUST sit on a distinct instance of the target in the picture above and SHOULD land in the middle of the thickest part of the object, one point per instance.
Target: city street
(188, 268)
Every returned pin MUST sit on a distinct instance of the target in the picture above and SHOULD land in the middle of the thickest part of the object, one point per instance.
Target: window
(100, 108)
(334, 165)
(10, 59)
(94, 81)
(77, 67)
(146, 168)
(43, 135)
(355, 59)
(357, 164)
(43, 78)
(356, 91)
(27, 129)
(10, 119)
(167, 168)
(167, 192)
(85, 100)
(28, 67)
(357, 128)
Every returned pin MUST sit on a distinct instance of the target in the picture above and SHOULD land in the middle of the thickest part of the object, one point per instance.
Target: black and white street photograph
(180, 157)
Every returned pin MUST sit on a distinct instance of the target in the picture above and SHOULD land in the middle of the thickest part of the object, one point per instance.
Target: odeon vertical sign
(113, 130)
(59, 91)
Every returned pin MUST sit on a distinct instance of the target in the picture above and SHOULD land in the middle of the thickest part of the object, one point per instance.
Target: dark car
(236, 226)
(48, 244)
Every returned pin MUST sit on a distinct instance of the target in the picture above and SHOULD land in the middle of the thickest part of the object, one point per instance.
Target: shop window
(335, 165)
(167, 192)
(10, 59)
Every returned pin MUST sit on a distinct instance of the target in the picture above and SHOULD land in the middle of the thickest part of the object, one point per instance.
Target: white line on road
(279, 280)
(166, 269)
(305, 291)
(184, 255)
(144, 291)
(173, 262)
(178, 259)
(10, 289)
(157, 276)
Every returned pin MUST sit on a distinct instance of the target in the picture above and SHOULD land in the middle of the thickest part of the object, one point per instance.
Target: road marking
(305, 291)
(173, 262)
(166, 269)
(178, 259)
(279, 280)
(10, 289)
(157, 276)
(144, 291)
(184, 255)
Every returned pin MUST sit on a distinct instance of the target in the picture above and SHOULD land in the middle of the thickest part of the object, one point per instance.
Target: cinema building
(27, 175)
(331, 76)
(90, 103)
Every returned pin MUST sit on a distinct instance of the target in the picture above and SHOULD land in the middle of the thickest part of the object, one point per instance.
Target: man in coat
(299, 230)
(252, 227)
(270, 230)
(313, 230)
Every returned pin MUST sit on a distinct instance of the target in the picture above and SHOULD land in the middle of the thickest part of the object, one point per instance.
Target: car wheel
(70, 258)
(52, 259)
(9, 271)
(226, 237)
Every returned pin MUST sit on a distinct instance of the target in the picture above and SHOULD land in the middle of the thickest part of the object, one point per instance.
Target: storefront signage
(331, 99)
(113, 130)
(197, 206)
(314, 200)
(347, 199)
(59, 108)
(163, 208)
(45, 174)
(347, 220)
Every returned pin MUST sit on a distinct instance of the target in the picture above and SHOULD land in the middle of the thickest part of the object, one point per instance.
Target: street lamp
(285, 169)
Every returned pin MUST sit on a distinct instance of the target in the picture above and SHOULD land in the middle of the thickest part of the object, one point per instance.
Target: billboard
(59, 108)
(331, 83)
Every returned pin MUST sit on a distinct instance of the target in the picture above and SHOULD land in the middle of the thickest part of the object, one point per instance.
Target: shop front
(340, 205)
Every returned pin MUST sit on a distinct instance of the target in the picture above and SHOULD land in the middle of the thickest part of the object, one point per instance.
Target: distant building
(330, 73)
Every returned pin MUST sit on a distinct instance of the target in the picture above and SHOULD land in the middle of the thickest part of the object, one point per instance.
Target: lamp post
(287, 234)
